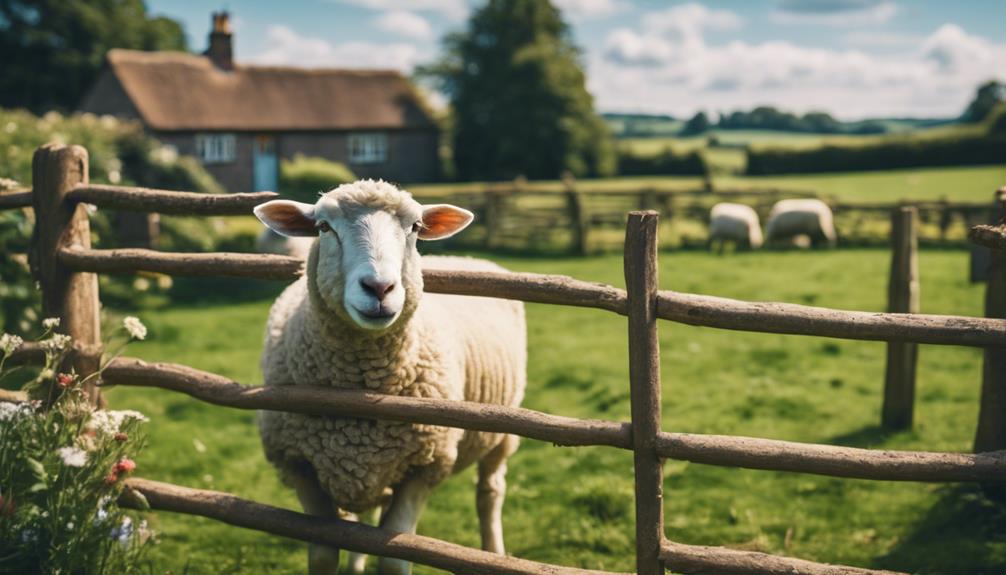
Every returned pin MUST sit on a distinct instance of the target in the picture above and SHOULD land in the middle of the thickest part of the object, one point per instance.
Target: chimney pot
(221, 51)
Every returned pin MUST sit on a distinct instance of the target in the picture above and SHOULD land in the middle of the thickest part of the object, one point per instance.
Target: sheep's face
(366, 264)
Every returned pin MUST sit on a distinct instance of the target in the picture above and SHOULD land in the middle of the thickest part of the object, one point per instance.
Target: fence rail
(70, 292)
(691, 309)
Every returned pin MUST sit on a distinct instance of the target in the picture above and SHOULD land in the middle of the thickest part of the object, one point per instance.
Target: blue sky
(853, 58)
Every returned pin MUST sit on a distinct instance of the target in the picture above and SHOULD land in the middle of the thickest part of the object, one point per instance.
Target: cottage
(241, 120)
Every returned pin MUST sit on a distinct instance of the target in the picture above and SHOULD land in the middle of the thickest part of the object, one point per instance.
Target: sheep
(791, 219)
(270, 242)
(734, 223)
(359, 319)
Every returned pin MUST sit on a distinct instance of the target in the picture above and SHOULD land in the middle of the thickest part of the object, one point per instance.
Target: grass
(574, 505)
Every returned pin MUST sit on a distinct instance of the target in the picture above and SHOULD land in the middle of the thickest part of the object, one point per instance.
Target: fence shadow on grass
(867, 436)
(964, 533)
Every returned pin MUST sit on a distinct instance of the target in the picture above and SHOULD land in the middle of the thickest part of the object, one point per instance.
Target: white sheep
(359, 320)
(791, 219)
(270, 242)
(735, 223)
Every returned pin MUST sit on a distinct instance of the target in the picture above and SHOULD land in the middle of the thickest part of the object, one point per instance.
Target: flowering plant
(62, 463)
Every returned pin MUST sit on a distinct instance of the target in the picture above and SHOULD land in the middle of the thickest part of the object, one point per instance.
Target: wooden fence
(66, 265)
(568, 219)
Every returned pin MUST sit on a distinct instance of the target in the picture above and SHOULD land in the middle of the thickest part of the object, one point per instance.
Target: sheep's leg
(402, 516)
(321, 560)
(358, 561)
(490, 493)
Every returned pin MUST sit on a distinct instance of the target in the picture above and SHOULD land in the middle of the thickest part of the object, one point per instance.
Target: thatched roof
(178, 91)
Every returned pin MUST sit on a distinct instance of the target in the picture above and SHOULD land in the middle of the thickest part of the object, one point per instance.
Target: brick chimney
(221, 52)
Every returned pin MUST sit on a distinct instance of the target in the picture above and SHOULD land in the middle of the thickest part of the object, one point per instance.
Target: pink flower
(111, 478)
(65, 379)
(125, 465)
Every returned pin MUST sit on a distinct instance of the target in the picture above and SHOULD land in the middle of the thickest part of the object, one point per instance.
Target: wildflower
(120, 437)
(125, 465)
(72, 456)
(135, 327)
(50, 323)
(111, 478)
(12, 411)
(65, 379)
(69, 526)
(9, 342)
(124, 531)
(58, 342)
(29, 536)
(109, 421)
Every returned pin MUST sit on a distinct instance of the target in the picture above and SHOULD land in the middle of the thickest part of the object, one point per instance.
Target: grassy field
(574, 505)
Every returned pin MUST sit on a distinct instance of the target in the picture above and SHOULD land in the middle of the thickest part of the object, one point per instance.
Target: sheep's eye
(417, 226)
(323, 226)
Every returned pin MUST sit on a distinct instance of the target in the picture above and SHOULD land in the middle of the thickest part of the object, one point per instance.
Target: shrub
(667, 162)
(303, 177)
(61, 468)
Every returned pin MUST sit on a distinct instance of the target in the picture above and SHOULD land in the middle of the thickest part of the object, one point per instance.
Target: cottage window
(368, 148)
(216, 148)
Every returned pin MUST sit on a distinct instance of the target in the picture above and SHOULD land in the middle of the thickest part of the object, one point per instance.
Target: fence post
(991, 433)
(644, 381)
(495, 207)
(902, 297)
(70, 296)
(579, 223)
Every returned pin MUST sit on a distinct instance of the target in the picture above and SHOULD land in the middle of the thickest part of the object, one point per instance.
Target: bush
(668, 162)
(303, 178)
(986, 145)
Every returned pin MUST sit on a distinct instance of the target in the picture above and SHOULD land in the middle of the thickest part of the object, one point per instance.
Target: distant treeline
(983, 145)
(769, 118)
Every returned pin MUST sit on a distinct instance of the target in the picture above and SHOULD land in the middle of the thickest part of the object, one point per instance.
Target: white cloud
(590, 8)
(452, 9)
(667, 67)
(404, 23)
(834, 12)
(667, 34)
(287, 48)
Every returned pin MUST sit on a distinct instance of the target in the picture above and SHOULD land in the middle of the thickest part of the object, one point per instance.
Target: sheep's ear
(288, 218)
(443, 221)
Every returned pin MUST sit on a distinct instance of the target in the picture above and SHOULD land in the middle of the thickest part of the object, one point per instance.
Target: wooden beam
(753, 453)
(644, 387)
(15, 200)
(702, 560)
(169, 202)
(699, 310)
(335, 533)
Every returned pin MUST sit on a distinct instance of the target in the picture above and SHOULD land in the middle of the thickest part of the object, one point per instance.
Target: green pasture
(574, 505)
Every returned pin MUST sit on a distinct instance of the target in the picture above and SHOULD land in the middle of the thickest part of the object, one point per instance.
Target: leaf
(38, 469)
(37, 487)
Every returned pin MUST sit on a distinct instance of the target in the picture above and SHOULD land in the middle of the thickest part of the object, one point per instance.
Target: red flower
(125, 465)
(111, 478)
(120, 437)
(65, 379)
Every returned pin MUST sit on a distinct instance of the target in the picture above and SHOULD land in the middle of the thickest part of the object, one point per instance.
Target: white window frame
(367, 148)
(219, 148)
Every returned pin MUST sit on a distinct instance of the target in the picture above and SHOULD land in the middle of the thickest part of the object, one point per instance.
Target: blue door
(265, 164)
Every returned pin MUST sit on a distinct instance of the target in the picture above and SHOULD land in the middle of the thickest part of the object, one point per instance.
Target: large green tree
(52, 50)
(518, 96)
(988, 95)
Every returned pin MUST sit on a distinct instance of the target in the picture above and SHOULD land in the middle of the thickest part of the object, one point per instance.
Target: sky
(852, 58)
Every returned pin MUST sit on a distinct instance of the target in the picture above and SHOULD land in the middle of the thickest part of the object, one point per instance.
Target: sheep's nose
(375, 288)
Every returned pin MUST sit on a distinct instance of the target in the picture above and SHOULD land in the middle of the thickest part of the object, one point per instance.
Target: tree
(698, 124)
(518, 96)
(53, 49)
(989, 94)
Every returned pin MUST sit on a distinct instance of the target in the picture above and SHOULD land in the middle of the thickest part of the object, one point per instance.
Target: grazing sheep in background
(269, 242)
(359, 320)
(734, 223)
(791, 219)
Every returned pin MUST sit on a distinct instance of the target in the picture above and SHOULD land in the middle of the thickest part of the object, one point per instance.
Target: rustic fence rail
(67, 263)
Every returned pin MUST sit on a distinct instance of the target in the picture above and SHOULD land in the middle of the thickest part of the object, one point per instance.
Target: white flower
(108, 421)
(69, 526)
(72, 456)
(57, 342)
(123, 532)
(12, 411)
(29, 535)
(50, 322)
(135, 327)
(9, 342)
